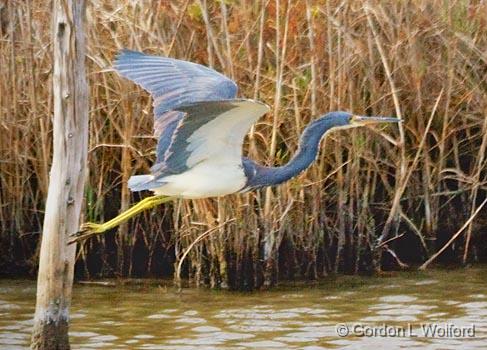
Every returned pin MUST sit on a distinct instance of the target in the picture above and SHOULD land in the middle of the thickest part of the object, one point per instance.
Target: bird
(200, 125)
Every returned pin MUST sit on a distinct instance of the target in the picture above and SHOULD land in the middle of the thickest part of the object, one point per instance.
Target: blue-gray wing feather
(172, 83)
(195, 116)
(190, 114)
(209, 131)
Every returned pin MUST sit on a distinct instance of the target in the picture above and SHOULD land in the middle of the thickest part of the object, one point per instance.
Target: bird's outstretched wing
(172, 83)
(209, 131)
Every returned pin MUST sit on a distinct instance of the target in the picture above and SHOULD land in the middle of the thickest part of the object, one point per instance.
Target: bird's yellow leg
(90, 229)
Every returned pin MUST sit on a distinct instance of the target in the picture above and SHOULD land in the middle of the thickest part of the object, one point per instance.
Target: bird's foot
(87, 230)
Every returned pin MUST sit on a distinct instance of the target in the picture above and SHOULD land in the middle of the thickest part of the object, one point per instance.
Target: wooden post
(65, 194)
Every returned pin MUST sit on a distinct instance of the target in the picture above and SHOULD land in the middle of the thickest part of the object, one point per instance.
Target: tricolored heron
(200, 126)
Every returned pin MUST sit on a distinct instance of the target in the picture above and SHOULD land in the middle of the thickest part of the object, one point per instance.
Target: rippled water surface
(151, 316)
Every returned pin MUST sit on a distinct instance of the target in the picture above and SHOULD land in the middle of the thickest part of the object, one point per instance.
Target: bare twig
(455, 236)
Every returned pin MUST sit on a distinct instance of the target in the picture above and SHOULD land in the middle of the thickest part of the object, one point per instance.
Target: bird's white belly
(207, 179)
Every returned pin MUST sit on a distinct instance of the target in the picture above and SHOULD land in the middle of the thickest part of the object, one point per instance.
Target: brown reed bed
(382, 198)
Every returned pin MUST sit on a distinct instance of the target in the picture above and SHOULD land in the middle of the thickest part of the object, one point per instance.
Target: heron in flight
(200, 125)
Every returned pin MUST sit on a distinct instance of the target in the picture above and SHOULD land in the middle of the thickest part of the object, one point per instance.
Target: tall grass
(377, 198)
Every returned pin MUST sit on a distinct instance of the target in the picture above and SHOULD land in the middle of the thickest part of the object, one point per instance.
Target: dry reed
(380, 198)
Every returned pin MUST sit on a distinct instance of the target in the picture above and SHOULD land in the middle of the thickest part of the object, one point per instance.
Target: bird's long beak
(363, 120)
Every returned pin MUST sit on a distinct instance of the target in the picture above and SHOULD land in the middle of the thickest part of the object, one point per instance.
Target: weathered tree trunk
(65, 194)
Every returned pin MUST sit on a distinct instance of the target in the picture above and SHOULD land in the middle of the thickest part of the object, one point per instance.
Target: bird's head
(345, 120)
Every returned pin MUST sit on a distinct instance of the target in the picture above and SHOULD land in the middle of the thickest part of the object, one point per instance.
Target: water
(151, 316)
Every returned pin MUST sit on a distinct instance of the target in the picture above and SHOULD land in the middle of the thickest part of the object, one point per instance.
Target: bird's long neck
(260, 176)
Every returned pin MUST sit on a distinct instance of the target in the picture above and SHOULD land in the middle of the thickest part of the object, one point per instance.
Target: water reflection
(148, 317)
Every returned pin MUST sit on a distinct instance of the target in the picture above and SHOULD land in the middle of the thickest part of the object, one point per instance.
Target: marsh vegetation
(377, 198)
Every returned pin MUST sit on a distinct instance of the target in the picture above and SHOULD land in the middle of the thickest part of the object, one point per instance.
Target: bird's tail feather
(141, 182)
